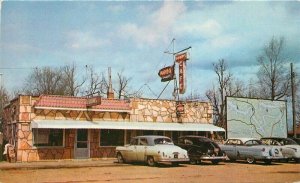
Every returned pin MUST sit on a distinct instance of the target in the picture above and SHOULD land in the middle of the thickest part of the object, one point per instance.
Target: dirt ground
(223, 172)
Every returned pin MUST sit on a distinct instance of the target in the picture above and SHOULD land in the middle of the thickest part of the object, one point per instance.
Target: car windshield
(288, 142)
(163, 141)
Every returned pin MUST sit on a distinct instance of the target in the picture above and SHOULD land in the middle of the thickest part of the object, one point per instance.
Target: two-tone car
(290, 149)
(201, 149)
(251, 150)
(151, 149)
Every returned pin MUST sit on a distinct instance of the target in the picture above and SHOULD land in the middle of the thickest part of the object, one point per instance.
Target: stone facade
(21, 111)
(150, 110)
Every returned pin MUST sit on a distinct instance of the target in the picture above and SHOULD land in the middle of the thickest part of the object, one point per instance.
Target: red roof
(57, 101)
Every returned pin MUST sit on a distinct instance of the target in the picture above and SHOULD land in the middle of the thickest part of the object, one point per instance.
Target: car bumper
(275, 158)
(213, 157)
(163, 160)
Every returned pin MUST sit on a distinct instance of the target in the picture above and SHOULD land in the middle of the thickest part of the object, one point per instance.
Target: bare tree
(93, 84)
(70, 81)
(227, 86)
(46, 80)
(4, 99)
(122, 88)
(273, 74)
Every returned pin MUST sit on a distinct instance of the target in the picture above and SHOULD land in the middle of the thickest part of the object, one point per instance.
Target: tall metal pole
(293, 100)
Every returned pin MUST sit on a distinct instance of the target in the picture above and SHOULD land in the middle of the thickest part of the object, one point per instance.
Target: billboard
(255, 118)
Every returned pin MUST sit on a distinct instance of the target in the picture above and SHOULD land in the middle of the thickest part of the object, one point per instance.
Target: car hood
(292, 147)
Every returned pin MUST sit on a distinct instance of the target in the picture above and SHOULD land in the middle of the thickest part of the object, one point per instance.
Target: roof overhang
(159, 126)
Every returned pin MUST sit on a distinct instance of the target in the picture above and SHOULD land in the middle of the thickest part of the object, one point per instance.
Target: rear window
(163, 141)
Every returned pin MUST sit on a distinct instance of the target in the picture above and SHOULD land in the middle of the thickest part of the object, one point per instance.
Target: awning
(75, 124)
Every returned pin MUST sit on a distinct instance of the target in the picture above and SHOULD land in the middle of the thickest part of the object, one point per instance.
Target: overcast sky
(132, 36)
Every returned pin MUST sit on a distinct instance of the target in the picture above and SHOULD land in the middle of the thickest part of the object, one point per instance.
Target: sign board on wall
(92, 101)
(255, 118)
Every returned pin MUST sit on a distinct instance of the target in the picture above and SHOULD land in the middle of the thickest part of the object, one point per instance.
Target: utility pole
(293, 100)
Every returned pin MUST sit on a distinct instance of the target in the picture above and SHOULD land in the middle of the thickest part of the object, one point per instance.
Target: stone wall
(150, 110)
(19, 114)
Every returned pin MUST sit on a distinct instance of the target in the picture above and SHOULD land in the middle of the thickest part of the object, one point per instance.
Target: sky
(132, 36)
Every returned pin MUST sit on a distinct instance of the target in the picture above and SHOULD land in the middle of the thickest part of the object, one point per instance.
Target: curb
(60, 164)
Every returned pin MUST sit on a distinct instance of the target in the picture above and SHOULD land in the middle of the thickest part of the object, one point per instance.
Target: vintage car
(250, 150)
(290, 149)
(153, 150)
(201, 149)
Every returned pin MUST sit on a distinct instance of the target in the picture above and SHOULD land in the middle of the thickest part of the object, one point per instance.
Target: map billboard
(255, 118)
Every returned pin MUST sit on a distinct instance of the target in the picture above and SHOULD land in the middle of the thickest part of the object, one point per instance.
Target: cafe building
(51, 127)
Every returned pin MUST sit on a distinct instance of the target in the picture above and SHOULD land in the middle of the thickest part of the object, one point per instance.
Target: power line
(163, 89)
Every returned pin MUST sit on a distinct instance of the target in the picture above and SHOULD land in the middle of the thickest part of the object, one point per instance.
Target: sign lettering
(181, 57)
(182, 77)
(166, 73)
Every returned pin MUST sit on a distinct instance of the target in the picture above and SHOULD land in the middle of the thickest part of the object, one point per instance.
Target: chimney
(110, 91)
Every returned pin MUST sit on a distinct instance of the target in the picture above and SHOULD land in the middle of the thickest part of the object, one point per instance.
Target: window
(111, 137)
(143, 142)
(163, 141)
(48, 137)
(134, 141)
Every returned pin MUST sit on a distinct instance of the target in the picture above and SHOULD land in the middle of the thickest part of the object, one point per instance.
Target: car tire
(150, 161)
(193, 162)
(215, 162)
(175, 164)
(287, 160)
(232, 160)
(268, 162)
(120, 158)
(250, 159)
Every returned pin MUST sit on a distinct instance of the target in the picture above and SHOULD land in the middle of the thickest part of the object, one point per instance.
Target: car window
(231, 142)
(134, 141)
(181, 141)
(275, 142)
(252, 142)
(143, 142)
(163, 141)
(239, 142)
(288, 142)
(266, 141)
(188, 142)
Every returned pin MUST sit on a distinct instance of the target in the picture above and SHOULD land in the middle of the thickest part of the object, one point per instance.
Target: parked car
(201, 149)
(290, 149)
(151, 149)
(250, 150)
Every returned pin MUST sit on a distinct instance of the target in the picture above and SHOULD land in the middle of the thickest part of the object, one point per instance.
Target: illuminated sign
(182, 77)
(92, 101)
(166, 73)
(181, 57)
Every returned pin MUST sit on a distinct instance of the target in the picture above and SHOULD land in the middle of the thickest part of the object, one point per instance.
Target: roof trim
(82, 109)
(159, 126)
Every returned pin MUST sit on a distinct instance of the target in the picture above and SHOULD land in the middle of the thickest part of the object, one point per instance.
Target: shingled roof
(57, 101)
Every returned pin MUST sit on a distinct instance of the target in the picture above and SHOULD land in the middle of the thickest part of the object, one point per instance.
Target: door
(141, 149)
(82, 146)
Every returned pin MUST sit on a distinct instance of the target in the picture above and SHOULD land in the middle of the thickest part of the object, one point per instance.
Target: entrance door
(81, 150)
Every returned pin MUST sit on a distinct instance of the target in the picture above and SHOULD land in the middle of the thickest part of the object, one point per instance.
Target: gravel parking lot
(114, 172)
